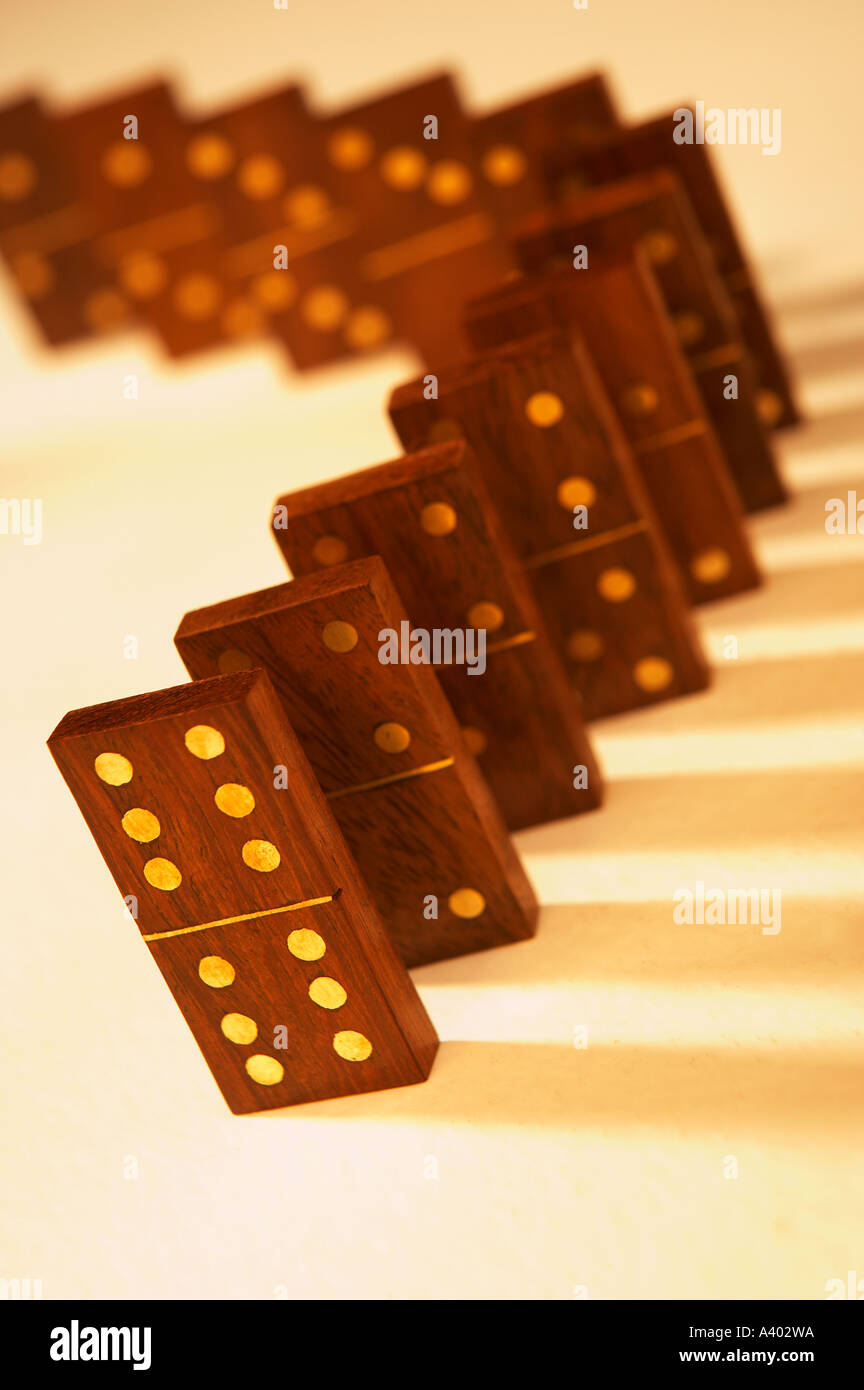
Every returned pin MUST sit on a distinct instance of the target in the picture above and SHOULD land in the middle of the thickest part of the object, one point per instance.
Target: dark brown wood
(157, 231)
(46, 233)
(177, 788)
(652, 211)
(510, 142)
(554, 458)
(387, 752)
(291, 242)
(617, 306)
(650, 145)
(427, 237)
(430, 518)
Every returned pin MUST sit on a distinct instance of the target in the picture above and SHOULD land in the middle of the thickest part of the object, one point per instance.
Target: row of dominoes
(318, 810)
(340, 231)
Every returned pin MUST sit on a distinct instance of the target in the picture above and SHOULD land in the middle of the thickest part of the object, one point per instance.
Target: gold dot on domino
(327, 993)
(18, 176)
(354, 1047)
(216, 971)
(711, 566)
(438, 519)
(486, 615)
(350, 148)
(639, 399)
(504, 165)
(235, 800)
(339, 636)
(126, 163)
(306, 944)
(239, 1028)
(584, 645)
(449, 182)
(204, 742)
(162, 874)
(209, 155)
(544, 409)
(265, 1070)
(261, 855)
(616, 584)
(403, 167)
(576, 492)
(466, 902)
(113, 768)
(141, 825)
(391, 737)
(653, 673)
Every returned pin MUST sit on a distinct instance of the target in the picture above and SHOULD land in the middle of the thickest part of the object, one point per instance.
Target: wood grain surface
(617, 306)
(245, 893)
(462, 574)
(649, 145)
(548, 444)
(387, 752)
(652, 211)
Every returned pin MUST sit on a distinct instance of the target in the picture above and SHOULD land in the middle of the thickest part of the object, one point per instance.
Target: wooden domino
(291, 251)
(652, 211)
(430, 518)
(617, 306)
(427, 239)
(510, 142)
(245, 892)
(554, 458)
(650, 145)
(387, 752)
(47, 231)
(158, 232)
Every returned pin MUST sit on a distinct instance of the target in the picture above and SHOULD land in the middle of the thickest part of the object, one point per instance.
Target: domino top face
(395, 507)
(510, 141)
(426, 235)
(33, 181)
(650, 145)
(507, 403)
(431, 519)
(246, 894)
(129, 174)
(321, 628)
(265, 163)
(650, 211)
(617, 305)
(549, 446)
(386, 750)
(252, 157)
(132, 751)
(157, 231)
(387, 167)
(46, 232)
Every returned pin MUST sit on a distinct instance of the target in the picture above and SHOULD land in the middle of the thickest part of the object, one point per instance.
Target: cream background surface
(558, 1170)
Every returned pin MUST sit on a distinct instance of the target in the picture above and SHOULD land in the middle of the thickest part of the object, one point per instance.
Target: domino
(291, 242)
(426, 237)
(156, 232)
(652, 211)
(553, 456)
(651, 145)
(510, 142)
(387, 753)
(46, 234)
(431, 520)
(617, 306)
(245, 892)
